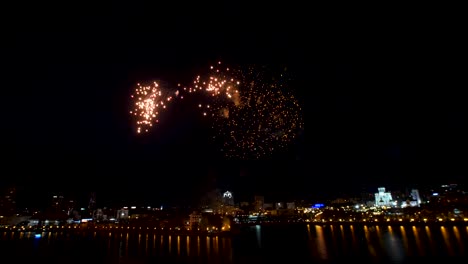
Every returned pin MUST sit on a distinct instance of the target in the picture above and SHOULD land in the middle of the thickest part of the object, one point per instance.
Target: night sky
(381, 102)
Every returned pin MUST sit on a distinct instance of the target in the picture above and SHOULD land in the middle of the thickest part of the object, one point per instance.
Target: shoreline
(237, 228)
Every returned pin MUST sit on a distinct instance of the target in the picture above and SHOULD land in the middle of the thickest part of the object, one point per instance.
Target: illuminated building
(449, 194)
(98, 214)
(416, 197)
(383, 198)
(279, 205)
(195, 219)
(70, 206)
(228, 198)
(122, 214)
(58, 202)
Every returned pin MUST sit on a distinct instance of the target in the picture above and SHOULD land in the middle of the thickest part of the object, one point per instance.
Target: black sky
(381, 101)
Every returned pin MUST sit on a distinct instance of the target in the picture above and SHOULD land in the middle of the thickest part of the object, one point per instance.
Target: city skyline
(29, 198)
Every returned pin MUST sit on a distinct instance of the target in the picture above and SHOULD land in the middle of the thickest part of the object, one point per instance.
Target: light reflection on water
(459, 241)
(418, 240)
(321, 243)
(392, 244)
(353, 238)
(169, 244)
(258, 233)
(342, 236)
(198, 245)
(258, 243)
(188, 245)
(405, 240)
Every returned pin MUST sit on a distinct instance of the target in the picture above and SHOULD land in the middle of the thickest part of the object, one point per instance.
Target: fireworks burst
(149, 101)
(253, 111)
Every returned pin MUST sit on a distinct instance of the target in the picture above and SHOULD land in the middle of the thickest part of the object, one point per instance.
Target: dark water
(255, 244)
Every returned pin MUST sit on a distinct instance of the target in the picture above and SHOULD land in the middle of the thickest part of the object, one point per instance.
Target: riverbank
(235, 228)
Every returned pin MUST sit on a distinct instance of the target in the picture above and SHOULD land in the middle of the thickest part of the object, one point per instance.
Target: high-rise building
(212, 201)
(98, 214)
(92, 201)
(228, 198)
(58, 202)
(416, 197)
(8, 202)
(70, 205)
(258, 202)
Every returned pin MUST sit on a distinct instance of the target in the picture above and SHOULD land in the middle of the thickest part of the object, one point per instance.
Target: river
(254, 244)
